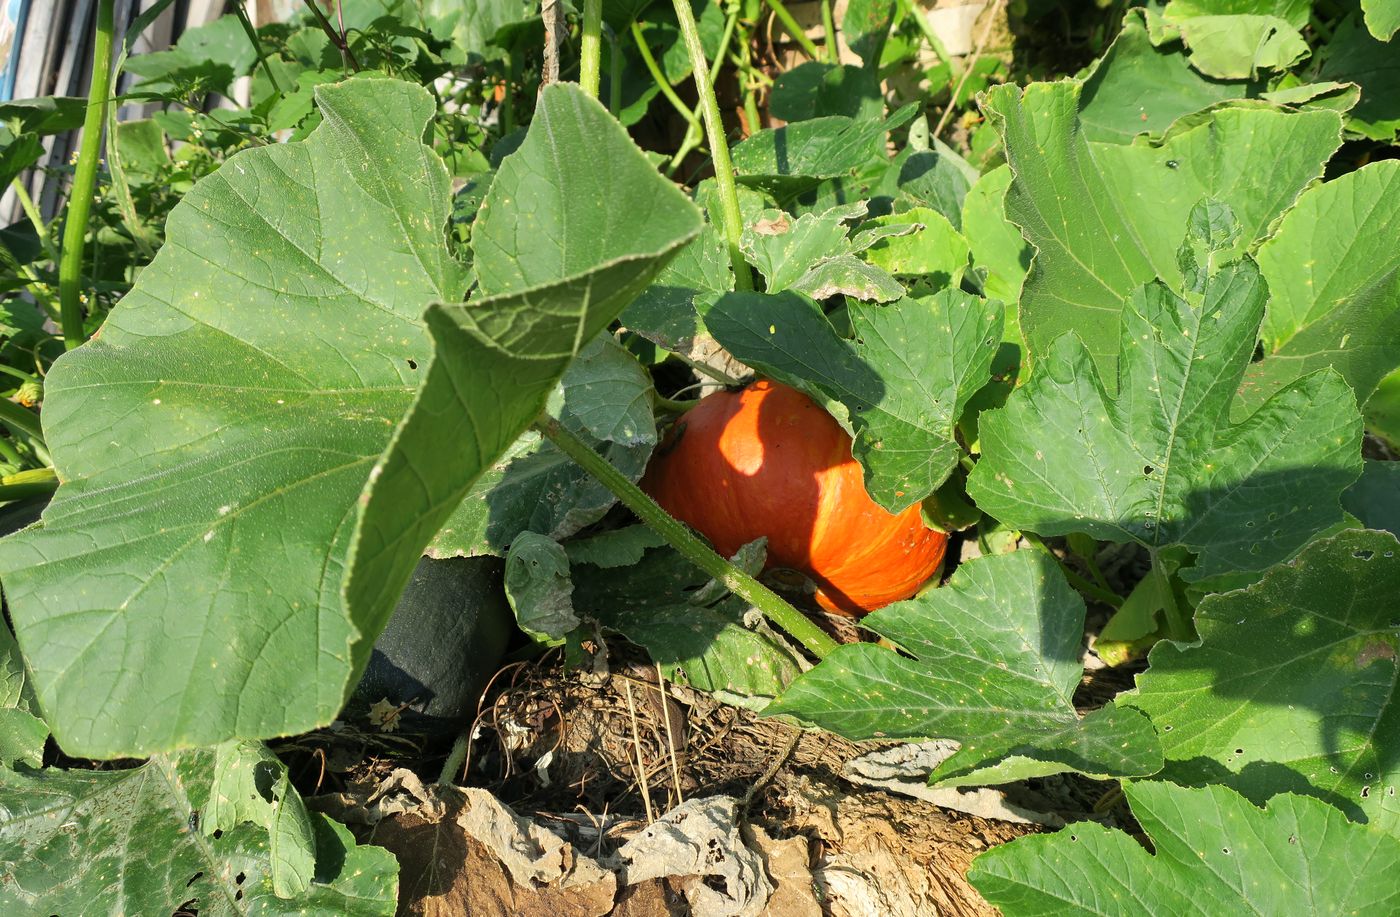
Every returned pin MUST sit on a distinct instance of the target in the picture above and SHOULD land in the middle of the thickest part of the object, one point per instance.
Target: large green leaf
(1214, 855)
(1383, 410)
(1382, 17)
(1355, 56)
(142, 841)
(183, 586)
(1375, 497)
(604, 397)
(1334, 285)
(1292, 686)
(1159, 464)
(188, 582)
(903, 381)
(990, 659)
(787, 161)
(1106, 218)
(1138, 88)
(553, 271)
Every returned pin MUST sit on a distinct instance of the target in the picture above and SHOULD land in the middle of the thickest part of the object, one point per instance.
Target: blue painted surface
(12, 17)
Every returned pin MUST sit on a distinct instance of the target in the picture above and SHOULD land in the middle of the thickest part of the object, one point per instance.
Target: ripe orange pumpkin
(767, 460)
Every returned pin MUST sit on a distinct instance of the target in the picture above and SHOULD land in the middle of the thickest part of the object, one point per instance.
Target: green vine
(774, 608)
(70, 265)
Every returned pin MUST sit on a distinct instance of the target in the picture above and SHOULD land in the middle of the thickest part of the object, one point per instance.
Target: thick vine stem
(35, 482)
(70, 265)
(732, 221)
(774, 608)
(20, 419)
(591, 52)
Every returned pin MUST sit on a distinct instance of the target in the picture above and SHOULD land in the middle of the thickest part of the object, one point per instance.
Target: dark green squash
(443, 644)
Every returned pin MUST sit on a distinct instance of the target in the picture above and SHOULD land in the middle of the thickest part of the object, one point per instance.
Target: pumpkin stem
(772, 605)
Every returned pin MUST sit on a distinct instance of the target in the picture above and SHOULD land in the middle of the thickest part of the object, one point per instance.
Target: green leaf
(1159, 464)
(1214, 855)
(251, 785)
(937, 179)
(996, 244)
(258, 367)
(670, 313)
(539, 587)
(1292, 686)
(22, 732)
(1382, 17)
(1383, 410)
(934, 252)
(1355, 56)
(695, 632)
(866, 27)
(215, 567)
(816, 89)
(1138, 88)
(1375, 497)
(1238, 47)
(605, 398)
(1106, 218)
(138, 841)
(1334, 284)
(787, 161)
(991, 660)
(553, 270)
(904, 380)
(615, 548)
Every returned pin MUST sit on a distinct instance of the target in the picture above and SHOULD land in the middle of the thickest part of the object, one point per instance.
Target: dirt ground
(561, 751)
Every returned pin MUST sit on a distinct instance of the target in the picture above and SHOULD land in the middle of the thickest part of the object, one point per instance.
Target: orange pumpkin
(767, 460)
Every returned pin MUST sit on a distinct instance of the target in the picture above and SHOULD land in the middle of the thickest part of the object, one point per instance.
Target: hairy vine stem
(772, 605)
(70, 265)
(732, 221)
(591, 51)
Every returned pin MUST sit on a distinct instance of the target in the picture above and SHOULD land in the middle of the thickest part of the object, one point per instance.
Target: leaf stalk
(773, 607)
(590, 68)
(732, 221)
(70, 265)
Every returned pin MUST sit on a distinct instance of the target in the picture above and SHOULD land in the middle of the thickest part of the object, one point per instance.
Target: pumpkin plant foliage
(1214, 853)
(293, 434)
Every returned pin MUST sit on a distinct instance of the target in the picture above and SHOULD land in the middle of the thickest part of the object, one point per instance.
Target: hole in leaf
(195, 878)
(1173, 164)
(1148, 469)
(240, 879)
(412, 364)
(1363, 554)
(218, 833)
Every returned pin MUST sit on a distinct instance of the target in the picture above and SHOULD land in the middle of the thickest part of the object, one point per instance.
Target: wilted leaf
(539, 587)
